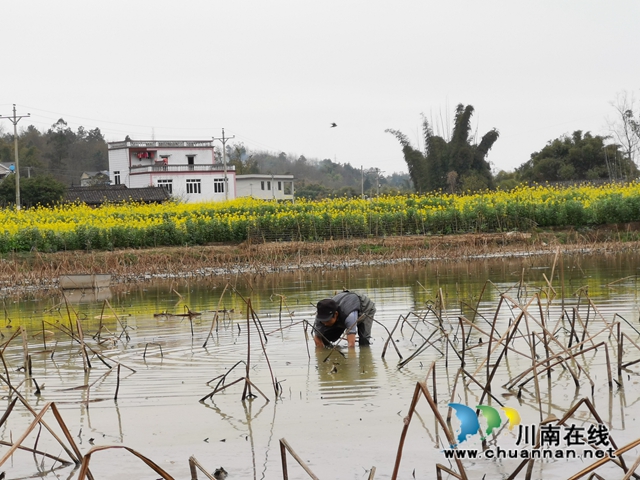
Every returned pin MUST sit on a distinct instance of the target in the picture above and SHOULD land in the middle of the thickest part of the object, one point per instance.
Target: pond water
(342, 416)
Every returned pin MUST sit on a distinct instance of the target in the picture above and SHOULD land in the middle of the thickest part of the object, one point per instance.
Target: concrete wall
(266, 187)
(154, 170)
(207, 182)
(119, 162)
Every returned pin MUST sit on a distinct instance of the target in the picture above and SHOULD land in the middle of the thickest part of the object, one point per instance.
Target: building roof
(94, 174)
(97, 195)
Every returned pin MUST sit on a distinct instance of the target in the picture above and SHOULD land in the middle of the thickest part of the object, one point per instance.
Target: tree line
(318, 179)
(50, 161)
(455, 161)
(59, 152)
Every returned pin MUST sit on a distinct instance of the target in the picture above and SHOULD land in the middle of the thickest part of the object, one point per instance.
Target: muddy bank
(36, 271)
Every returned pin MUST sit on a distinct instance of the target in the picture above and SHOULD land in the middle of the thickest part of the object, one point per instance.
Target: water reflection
(355, 400)
(88, 295)
(346, 375)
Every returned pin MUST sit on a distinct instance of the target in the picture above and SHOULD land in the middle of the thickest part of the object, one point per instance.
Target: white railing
(216, 167)
(161, 144)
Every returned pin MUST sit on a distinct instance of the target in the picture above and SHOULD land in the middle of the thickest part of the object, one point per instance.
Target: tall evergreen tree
(61, 138)
(447, 164)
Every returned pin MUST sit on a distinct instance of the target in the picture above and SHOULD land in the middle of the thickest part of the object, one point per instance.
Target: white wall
(207, 194)
(177, 156)
(251, 186)
(118, 162)
(121, 159)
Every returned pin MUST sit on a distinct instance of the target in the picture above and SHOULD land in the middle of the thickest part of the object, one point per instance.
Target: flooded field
(342, 411)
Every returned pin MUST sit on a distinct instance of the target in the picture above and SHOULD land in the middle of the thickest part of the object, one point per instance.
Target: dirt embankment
(35, 270)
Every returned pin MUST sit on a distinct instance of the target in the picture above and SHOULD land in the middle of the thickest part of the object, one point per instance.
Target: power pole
(224, 139)
(273, 188)
(15, 119)
(361, 182)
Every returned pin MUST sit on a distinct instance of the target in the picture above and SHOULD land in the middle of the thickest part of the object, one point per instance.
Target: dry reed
(539, 342)
(26, 271)
(571, 337)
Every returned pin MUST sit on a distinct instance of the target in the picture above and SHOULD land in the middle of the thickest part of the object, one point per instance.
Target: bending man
(340, 314)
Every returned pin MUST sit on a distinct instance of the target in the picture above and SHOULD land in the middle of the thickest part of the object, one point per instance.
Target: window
(167, 184)
(191, 159)
(262, 184)
(218, 185)
(116, 177)
(268, 185)
(279, 185)
(288, 188)
(193, 185)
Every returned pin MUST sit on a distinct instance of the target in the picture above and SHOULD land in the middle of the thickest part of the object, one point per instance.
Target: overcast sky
(277, 73)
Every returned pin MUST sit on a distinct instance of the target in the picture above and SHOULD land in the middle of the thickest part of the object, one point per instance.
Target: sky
(275, 74)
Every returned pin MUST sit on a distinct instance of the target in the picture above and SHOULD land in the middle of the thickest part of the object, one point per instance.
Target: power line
(62, 115)
(15, 119)
(224, 161)
(115, 131)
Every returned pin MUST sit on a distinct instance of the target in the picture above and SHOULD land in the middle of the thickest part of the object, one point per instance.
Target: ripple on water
(352, 404)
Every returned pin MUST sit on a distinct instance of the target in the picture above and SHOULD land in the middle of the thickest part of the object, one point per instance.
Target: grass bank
(27, 271)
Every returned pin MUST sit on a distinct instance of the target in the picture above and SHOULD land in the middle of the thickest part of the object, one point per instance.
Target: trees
(70, 153)
(238, 156)
(316, 179)
(59, 138)
(506, 180)
(41, 190)
(625, 129)
(66, 154)
(577, 157)
(95, 152)
(449, 164)
(312, 191)
(59, 151)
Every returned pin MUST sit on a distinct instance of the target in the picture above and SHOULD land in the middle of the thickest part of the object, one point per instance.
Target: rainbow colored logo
(470, 425)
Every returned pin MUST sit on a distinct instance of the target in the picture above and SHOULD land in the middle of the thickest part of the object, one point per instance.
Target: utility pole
(273, 188)
(15, 119)
(361, 182)
(224, 139)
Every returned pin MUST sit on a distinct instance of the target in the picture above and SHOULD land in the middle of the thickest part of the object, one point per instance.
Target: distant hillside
(318, 178)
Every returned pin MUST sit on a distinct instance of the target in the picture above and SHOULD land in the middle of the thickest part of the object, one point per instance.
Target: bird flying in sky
(334, 124)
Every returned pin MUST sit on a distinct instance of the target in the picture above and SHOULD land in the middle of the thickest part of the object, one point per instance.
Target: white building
(6, 169)
(90, 179)
(266, 187)
(187, 169)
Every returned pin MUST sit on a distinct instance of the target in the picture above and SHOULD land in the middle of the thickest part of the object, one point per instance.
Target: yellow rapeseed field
(77, 226)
